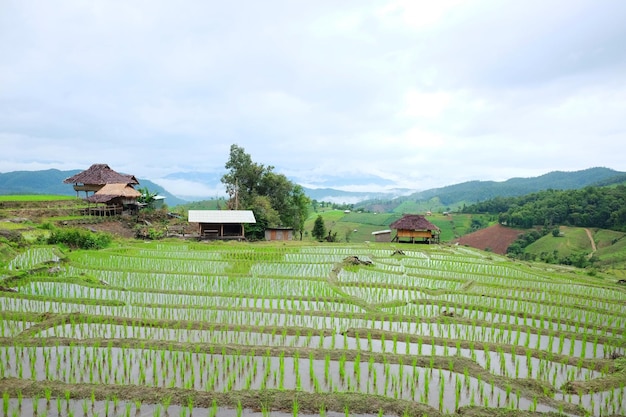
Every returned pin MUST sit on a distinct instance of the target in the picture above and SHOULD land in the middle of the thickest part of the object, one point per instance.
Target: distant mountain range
(399, 200)
(454, 196)
(211, 183)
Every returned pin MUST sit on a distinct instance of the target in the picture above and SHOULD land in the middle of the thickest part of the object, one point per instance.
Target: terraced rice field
(191, 329)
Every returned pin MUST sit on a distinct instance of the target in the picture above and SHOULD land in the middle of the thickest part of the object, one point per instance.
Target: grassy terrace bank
(202, 328)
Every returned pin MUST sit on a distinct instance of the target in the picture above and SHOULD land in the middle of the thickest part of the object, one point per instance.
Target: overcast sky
(421, 93)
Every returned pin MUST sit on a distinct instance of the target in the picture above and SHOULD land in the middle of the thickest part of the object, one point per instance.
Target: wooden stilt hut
(414, 228)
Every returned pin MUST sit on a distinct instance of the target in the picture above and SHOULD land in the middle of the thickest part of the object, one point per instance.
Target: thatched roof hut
(412, 226)
(122, 193)
(96, 176)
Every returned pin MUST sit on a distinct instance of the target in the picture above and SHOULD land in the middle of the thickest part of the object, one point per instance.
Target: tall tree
(319, 229)
(274, 199)
(299, 209)
(243, 178)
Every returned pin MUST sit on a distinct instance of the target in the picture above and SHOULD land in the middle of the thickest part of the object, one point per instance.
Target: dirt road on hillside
(593, 244)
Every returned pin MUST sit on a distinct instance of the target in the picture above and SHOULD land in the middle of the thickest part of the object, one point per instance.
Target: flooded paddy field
(224, 329)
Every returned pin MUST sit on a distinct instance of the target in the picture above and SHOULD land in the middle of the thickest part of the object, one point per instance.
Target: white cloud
(416, 92)
(185, 188)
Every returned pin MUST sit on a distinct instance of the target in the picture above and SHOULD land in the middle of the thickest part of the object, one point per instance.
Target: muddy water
(608, 403)
(441, 389)
(498, 363)
(11, 328)
(60, 407)
(499, 333)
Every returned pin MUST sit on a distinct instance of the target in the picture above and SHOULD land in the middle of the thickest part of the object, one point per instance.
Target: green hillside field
(610, 250)
(572, 240)
(359, 226)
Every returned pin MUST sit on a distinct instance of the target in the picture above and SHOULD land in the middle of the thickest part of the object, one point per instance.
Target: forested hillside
(601, 207)
(453, 197)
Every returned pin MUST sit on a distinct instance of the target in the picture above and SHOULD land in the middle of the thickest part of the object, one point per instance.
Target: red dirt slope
(497, 238)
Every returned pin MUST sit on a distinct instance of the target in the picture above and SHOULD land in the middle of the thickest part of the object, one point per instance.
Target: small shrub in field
(79, 239)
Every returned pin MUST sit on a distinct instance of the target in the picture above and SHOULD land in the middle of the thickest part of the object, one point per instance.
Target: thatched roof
(413, 222)
(100, 174)
(111, 191)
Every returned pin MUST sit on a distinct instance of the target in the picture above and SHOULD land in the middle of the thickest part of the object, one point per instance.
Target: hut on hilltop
(416, 229)
(118, 195)
(112, 192)
(97, 176)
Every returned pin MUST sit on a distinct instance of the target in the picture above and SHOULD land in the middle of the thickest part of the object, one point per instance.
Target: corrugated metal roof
(221, 216)
(380, 232)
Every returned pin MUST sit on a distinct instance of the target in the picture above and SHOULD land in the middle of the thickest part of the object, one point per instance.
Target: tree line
(601, 207)
(274, 200)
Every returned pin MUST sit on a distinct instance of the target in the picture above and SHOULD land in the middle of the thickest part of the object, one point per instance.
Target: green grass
(4, 225)
(572, 240)
(452, 226)
(36, 197)
(605, 238)
(382, 220)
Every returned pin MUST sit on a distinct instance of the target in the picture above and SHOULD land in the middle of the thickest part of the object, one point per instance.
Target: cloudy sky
(420, 93)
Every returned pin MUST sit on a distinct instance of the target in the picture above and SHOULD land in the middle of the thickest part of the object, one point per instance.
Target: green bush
(79, 238)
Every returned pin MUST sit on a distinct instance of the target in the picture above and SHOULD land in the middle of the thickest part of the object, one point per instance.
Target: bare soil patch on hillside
(116, 228)
(496, 238)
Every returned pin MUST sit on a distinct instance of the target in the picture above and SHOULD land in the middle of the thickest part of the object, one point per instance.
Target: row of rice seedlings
(555, 343)
(49, 406)
(379, 295)
(137, 263)
(508, 365)
(606, 403)
(12, 328)
(182, 254)
(482, 268)
(439, 307)
(32, 257)
(53, 306)
(584, 305)
(208, 283)
(521, 294)
(536, 292)
(69, 290)
(613, 318)
(270, 338)
(369, 276)
(498, 332)
(339, 251)
(215, 372)
(91, 377)
(284, 269)
(313, 258)
(497, 362)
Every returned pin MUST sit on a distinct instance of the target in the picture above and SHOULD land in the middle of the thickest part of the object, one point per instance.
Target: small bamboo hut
(112, 192)
(115, 197)
(97, 176)
(416, 229)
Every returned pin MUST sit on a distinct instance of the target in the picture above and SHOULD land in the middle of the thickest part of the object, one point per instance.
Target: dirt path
(593, 244)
